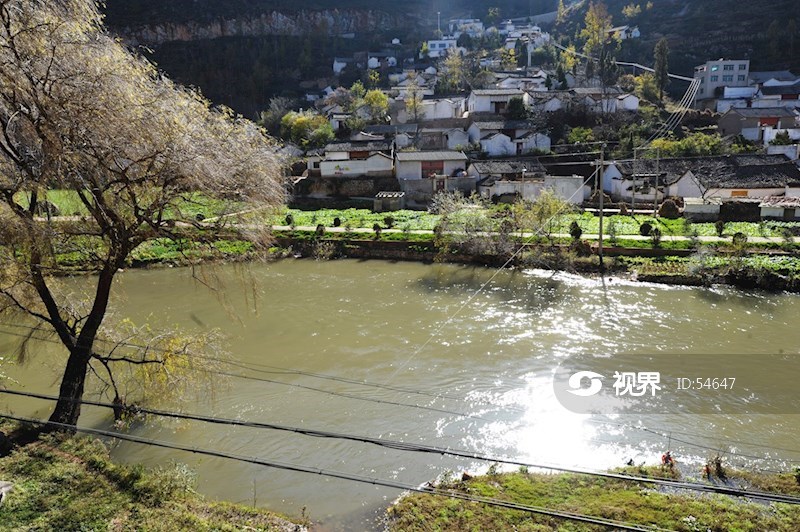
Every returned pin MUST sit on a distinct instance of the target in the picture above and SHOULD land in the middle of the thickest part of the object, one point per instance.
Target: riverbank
(70, 483)
(627, 501)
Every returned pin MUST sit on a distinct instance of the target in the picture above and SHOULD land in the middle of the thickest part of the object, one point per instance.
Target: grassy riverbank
(70, 483)
(627, 501)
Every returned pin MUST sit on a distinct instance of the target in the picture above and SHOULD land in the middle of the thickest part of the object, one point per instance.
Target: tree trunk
(68, 407)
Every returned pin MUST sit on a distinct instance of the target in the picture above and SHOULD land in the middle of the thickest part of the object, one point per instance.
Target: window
(701, 91)
(727, 67)
(729, 77)
(741, 77)
(714, 78)
(743, 67)
(714, 68)
(432, 167)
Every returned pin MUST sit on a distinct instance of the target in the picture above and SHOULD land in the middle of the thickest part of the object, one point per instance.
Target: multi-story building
(715, 75)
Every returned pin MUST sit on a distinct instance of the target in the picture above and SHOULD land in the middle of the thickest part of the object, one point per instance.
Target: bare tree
(80, 113)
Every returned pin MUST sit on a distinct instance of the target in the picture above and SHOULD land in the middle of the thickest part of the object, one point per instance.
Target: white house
(340, 63)
(435, 138)
(378, 164)
(625, 32)
(735, 176)
(422, 164)
(509, 137)
(492, 100)
(439, 47)
(471, 26)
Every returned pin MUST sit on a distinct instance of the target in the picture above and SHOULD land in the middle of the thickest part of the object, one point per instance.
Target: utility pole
(439, 23)
(655, 194)
(600, 172)
(522, 192)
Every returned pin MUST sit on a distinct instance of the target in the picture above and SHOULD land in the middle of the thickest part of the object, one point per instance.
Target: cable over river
(391, 351)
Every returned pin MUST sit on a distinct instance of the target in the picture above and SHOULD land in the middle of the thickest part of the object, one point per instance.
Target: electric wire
(422, 448)
(483, 403)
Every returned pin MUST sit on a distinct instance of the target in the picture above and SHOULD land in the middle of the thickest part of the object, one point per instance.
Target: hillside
(699, 30)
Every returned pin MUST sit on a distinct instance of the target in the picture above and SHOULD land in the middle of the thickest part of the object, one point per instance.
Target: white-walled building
(714, 75)
(422, 164)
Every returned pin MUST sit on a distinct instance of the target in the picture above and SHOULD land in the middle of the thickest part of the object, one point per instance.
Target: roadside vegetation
(70, 483)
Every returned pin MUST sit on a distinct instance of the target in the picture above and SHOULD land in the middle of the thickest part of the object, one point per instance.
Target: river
(475, 367)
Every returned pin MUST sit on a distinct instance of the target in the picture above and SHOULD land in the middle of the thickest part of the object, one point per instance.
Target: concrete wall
(420, 191)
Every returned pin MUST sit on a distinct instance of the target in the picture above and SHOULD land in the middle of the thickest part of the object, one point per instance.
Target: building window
(714, 78)
(714, 68)
(727, 78)
(700, 91)
(741, 77)
(727, 67)
(743, 67)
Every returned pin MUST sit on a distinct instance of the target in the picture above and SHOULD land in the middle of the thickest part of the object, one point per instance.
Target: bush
(669, 210)
(645, 229)
(337, 222)
(655, 235)
(289, 220)
(320, 230)
(377, 228)
(623, 209)
(575, 230)
(388, 222)
(719, 226)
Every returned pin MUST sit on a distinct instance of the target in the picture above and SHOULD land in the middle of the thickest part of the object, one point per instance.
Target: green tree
(378, 104)
(646, 87)
(632, 11)
(81, 114)
(413, 100)
(271, 117)
(516, 109)
(580, 135)
(596, 25)
(453, 73)
(492, 16)
(661, 74)
(561, 13)
(508, 58)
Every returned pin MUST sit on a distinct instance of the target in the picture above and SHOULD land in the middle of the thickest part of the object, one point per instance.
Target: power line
(422, 448)
(613, 524)
(451, 412)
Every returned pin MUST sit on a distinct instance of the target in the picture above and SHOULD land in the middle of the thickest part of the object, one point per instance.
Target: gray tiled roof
(403, 156)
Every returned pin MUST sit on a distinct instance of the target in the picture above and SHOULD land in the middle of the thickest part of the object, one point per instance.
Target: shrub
(377, 228)
(575, 230)
(612, 233)
(623, 209)
(645, 229)
(388, 222)
(655, 236)
(337, 222)
(739, 239)
(669, 210)
(290, 220)
(719, 225)
(320, 230)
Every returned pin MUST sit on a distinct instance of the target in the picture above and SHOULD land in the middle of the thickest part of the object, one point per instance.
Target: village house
(471, 26)
(779, 95)
(357, 158)
(731, 176)
(536, 81)
(751, 122)
(423, 164)
(508, 137)
(714, 75)
(442, 138)
(506, 181)
(441, 47)
(624, 33)
(492, 100)
(402, 135)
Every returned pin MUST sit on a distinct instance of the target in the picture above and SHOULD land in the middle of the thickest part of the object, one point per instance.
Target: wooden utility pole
(655, 193)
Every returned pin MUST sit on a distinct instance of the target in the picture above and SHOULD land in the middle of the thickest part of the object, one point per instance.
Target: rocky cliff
(330, 22)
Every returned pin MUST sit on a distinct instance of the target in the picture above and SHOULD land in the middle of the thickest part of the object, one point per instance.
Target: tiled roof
(508, 167)
(736, 171)
(372, 145)
(763, 112)
(403, 156)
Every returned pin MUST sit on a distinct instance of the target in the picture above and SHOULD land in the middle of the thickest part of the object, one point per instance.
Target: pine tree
(661, 56)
